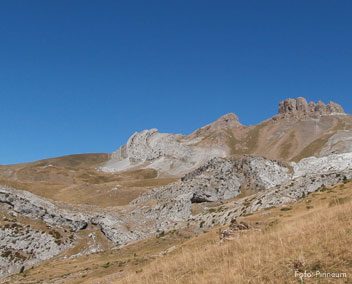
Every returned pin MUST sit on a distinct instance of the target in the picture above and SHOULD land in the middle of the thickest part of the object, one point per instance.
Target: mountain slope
(300, 130)
(74, 179)
(312, 234)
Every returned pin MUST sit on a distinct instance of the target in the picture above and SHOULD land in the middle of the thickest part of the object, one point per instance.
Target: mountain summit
(300, 107)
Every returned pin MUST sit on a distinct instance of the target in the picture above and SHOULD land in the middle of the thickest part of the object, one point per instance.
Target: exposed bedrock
(221, 179)
(167, 153)
(299, 106)
(170, 206)
(34, 207)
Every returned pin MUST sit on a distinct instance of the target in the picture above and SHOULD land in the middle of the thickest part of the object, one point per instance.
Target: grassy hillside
(74, 179)
(311, 235)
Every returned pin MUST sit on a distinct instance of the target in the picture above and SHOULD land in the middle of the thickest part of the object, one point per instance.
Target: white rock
(168, 153)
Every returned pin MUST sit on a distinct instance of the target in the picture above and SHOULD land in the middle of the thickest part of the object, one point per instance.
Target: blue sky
(82, 76)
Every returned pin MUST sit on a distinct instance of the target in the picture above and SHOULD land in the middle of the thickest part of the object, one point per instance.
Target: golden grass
(75, 180)
(304, 240)
(315, 234)
(286, 147)
(315, 146)
(312, 148)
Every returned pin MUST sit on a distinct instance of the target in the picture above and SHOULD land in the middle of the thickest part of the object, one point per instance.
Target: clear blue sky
(82, 76)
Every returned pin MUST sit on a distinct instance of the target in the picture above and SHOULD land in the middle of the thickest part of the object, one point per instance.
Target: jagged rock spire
(300, 106)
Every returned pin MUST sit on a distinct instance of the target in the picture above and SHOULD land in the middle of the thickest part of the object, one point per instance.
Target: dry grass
(247, 144)
(315, 234)
(315, 146)
(305, 239)
(97, 267)
(286, 147)
(312, 148)
(74, 179)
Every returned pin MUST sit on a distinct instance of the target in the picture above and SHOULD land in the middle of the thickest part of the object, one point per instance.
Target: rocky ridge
(170, 207)
(275, 197)
(168, 153)
(35, 207)
(38, 208)
(298, 126)
(300, 107)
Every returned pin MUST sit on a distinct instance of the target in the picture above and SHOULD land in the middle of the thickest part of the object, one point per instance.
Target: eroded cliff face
(300, 107)
(170, 154)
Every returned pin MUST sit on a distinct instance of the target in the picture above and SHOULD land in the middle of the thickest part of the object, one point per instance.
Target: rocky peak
(228, 117)
(173, 154)
(226, 121)
(300, 107)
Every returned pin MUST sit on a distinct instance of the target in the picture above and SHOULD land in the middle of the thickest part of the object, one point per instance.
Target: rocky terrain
(300, 107)
(170, 207)
(272, 183)
(159, 183)
(167, 153)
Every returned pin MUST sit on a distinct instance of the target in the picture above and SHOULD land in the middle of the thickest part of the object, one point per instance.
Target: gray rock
(167, 153)
(340, 142)
(32, 206)
(22, 247)
(299, 107)
(221, 179)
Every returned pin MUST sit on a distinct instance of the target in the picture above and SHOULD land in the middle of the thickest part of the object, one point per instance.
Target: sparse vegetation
(74, 179)
(286, 208)
(316, 240)
(287, 145)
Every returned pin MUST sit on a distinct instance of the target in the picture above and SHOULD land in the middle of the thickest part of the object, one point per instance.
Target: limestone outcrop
(35, 207)
(277, 196)
(38, 208)
(24, 246)
(276, 184)
(300, 107)
(340, 142)
(167, 153)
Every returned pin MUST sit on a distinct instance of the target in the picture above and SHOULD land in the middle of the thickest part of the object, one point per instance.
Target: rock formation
(222, 179)
(168, 153)
(300, 107)
(284, 137)
(24, 246)
(340, 142)
(38, 208)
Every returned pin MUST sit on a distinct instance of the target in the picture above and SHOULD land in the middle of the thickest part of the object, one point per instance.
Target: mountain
(101, 218)
(299, 130)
